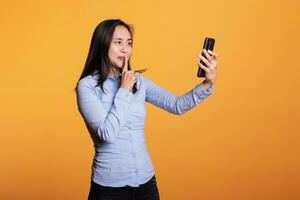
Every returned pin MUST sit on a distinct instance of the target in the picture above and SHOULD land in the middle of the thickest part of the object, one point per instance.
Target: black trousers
(146, 191)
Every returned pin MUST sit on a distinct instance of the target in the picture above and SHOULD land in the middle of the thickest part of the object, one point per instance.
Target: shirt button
(136, 171)
(133, 154)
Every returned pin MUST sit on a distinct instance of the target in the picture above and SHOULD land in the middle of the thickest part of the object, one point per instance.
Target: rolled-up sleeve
(172, 103)
(105, 124)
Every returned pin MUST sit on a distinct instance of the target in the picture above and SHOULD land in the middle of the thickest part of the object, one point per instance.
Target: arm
(105, 125)
(172, 103)
(207, 85)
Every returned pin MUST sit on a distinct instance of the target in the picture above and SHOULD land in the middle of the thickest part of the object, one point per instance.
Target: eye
(130, 43)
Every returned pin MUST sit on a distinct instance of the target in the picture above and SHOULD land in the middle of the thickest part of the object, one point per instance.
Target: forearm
(176, 104)
(105, 124)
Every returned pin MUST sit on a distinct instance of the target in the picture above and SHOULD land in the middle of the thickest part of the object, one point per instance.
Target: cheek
(129, 51)
(112, 53)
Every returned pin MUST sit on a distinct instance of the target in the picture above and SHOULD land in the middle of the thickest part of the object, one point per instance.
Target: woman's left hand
(211, 62)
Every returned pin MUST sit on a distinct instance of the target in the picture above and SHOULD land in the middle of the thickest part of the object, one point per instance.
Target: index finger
(125, 64)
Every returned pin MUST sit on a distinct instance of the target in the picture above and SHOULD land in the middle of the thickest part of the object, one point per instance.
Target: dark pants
(146, 191)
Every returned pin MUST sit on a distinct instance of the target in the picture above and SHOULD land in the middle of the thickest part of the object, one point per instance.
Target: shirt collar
(96, 75)
(114, 78)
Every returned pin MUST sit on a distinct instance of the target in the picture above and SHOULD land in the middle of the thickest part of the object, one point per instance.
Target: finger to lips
(125, 64)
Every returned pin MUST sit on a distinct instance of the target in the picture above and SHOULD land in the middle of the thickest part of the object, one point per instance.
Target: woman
(111, 99)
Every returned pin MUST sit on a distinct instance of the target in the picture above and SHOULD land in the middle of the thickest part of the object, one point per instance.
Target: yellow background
(242, 143)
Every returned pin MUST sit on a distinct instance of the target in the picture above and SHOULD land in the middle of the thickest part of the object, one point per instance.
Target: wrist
(206, 81)
(207, 84)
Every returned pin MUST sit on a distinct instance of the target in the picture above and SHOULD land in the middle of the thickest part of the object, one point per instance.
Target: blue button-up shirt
(116, 121)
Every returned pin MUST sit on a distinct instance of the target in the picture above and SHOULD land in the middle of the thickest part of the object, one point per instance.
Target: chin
(116, 64)
(119, 65)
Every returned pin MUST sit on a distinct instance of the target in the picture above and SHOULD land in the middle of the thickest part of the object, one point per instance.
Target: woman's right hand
(128, 76)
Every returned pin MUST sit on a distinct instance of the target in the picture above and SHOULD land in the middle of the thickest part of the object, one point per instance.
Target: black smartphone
(208, 45)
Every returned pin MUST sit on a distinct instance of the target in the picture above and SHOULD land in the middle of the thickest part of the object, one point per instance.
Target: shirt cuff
(202, 93)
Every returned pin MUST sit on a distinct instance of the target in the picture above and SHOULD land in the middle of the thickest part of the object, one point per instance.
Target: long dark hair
(97, 58)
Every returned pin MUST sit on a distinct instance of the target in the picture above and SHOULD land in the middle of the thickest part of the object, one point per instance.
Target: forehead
(121, 32)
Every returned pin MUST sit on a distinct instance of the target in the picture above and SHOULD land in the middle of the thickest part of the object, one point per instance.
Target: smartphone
(208, 45)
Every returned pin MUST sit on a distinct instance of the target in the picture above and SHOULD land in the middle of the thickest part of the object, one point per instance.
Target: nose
(124, 48)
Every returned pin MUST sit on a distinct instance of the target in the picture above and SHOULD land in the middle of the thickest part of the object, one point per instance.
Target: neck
(115, 72)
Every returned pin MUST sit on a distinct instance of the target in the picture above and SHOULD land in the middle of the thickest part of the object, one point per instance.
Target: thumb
(125, 64)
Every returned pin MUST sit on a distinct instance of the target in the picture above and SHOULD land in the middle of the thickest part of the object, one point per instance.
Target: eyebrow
(122, 39)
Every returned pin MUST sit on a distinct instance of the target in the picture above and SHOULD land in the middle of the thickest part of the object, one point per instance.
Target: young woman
(111, 99)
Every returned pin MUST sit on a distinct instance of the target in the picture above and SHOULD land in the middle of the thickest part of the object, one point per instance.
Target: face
(120, 46)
